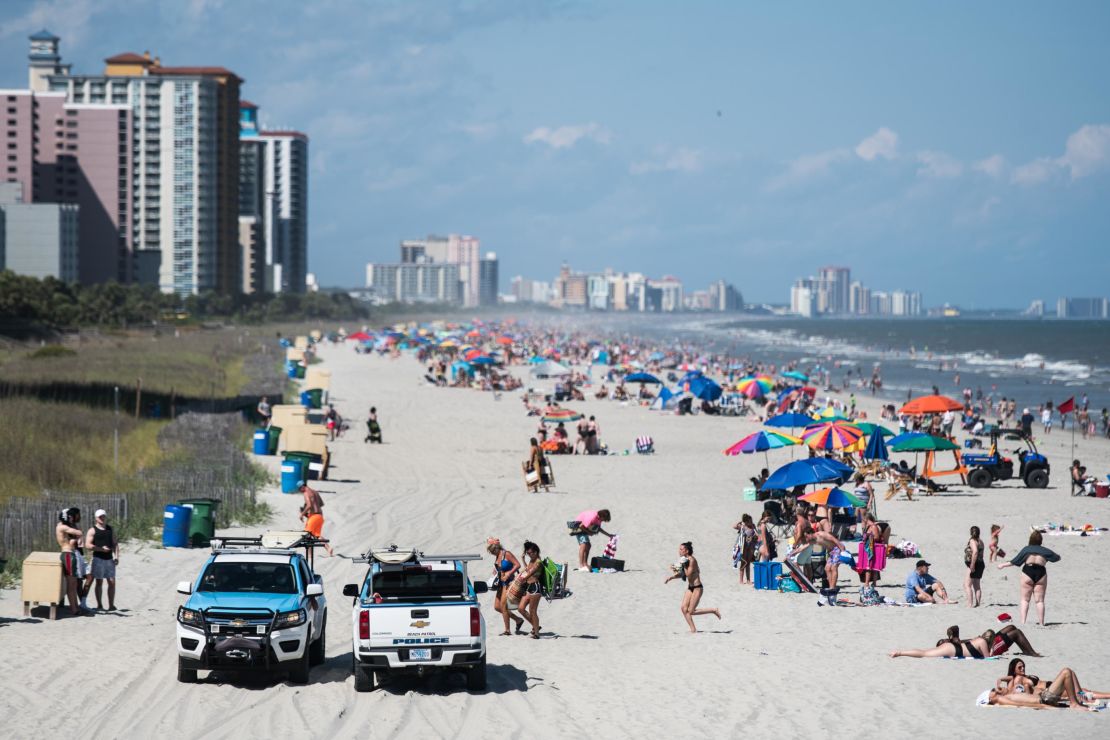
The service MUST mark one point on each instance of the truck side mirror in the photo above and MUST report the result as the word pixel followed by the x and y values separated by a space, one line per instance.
pixel 313 589
pixel 480 587
pixel 351 589
pixel 185 587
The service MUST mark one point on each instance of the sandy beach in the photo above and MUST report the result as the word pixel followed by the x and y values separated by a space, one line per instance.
pixel 616 660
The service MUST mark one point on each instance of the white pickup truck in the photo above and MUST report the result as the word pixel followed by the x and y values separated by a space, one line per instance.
pixel 417 613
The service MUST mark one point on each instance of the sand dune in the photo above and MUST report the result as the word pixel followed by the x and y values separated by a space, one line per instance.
pixel 616 660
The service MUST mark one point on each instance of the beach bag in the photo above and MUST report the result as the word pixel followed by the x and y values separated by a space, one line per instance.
pixel 789 585
pixel 549 576
pixel 531 477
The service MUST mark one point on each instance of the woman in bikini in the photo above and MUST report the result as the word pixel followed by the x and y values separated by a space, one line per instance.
pixel 1017 681
pixel 505 567
pixel 527 590
pixel 973 561
pixel 767 550
pixel 687 569
pixel 1034 576
pixel 1064 686
pixel 952 647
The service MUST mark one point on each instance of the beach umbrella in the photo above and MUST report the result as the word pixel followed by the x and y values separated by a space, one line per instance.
pixel 876 447
pixel 795 375
pixel 482 360
pixel 755 386
pixel 642 378
pixel 360 336
pixel 506 341
pixel 897 438
pixel 923 443
pixel 805 472
pixel 931 405
pixel 833 498
pixel 789 420
pixel 831 435
pixel 705 389
pixel 831 414
pixel 869 428
pixel 761 442
pixel 554 416
pixel 549 368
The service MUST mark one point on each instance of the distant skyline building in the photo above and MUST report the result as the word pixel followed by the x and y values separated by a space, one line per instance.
pixel 1083 308
pixel 833 293
pixel 455 249
pixel 488 280
pixel 419 282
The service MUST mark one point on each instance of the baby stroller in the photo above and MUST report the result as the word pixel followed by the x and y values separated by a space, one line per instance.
pixel 373 431
pixel 645 445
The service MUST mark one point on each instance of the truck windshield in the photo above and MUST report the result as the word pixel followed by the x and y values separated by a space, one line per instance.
pixel 266 578
pixel 418 583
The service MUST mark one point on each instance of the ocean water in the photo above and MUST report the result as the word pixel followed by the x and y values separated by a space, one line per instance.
pixel 1032 361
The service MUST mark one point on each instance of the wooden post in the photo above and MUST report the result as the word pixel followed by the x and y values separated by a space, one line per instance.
pixel 173 403
pixel 138 397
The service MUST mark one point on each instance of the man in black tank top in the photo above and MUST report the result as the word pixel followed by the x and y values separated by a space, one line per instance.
pixel 101 541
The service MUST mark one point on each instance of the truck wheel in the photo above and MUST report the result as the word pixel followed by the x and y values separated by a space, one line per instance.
pixel 1037 478
pixel 298 672
pixel 978 478
pixel 185 675
pixel 317 649
pixel 476 677
pixel 364 677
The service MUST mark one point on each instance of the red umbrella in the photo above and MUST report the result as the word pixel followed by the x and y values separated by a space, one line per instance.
pixel 360 336
pixel 931 405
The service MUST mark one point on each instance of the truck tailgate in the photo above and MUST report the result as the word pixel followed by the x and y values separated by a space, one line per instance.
pixel 420 624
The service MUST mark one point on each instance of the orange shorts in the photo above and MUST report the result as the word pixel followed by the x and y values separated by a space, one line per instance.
pixel 315 525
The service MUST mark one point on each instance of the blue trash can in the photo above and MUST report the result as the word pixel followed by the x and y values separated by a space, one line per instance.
pixel 291 369
pixel 306 399
pixel 175 526
pixel 292 473
pixel 262 442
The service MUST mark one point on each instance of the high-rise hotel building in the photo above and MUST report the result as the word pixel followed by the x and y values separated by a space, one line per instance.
pixel 184 157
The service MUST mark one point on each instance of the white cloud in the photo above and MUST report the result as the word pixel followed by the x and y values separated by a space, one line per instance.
pixel 1038 171
pixel 883 143
pixel 939 165
pixel 565 137
pixel 992 166
pixel 1087 151
pixel 679 160
pixel 67 19
pixel 807 167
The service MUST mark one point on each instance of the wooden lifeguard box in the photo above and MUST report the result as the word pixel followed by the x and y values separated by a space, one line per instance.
pixel 42 582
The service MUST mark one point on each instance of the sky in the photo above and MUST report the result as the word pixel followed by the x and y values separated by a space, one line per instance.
pixel 959 149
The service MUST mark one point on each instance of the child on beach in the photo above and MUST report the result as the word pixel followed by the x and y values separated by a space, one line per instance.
pixel 995 550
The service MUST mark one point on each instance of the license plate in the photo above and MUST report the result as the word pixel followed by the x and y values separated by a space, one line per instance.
pixel 420 654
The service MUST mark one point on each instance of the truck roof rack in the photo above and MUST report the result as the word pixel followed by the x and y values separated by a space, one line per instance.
pixel 277 543
pixel 394 555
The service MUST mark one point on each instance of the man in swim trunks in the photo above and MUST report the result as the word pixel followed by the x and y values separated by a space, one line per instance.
pixel 687 569
pixel 68 536
pixel 312 514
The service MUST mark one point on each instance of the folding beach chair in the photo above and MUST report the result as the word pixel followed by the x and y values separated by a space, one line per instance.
pixel 645 445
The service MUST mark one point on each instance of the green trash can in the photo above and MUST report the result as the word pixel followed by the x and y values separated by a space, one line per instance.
pixel 202 524
pixel 306 458
pixel 275 437
pixel 315 397
pixel 300 371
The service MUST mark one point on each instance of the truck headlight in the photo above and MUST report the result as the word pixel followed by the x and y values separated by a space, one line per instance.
pixel 190 617
pixel 290 619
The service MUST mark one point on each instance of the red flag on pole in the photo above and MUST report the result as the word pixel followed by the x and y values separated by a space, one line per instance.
pixel 1067 406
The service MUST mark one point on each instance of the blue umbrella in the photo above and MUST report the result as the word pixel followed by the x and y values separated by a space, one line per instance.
pixel 642 378
pixel 795 375
pixel 789 420
pixel 654 356
pixel 705 389
pixel 483 360
pixel 876 447
pixel 805 472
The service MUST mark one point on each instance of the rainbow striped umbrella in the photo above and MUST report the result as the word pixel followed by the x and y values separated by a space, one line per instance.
pixel 831 414
pixel 761 442
pixel 834 498
pixel 831 435
pixel 755 386
pixel 554 416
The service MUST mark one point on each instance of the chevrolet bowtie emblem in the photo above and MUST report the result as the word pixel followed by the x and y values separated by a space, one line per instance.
pixel 420 624
pixel 238 623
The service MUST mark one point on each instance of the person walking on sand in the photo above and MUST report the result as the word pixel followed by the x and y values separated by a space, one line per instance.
pixel 745 547
pixel 68 535
pixel 312 514
pixel 373 428
pixel 527 589
pixel 1034 576
pixel 584 525
pixel 505 568
pixel 688 570
pixel 973 560
pixel 101 541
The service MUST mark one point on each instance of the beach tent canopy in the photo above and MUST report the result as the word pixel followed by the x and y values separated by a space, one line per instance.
pixel 549 369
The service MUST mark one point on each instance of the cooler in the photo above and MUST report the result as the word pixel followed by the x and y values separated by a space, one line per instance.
pixel 767 575
pixel 1102 490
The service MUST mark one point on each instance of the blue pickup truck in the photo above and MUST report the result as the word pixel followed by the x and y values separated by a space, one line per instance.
pixel 257 605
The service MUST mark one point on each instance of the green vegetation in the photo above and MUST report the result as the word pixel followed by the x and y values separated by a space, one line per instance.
pixel 33 305
pixel 70 447
pixel 51 351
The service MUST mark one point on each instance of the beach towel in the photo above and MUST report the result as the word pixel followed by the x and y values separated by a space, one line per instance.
pixel 611 546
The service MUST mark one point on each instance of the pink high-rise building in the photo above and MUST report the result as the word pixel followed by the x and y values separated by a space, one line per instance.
pixel 60 152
